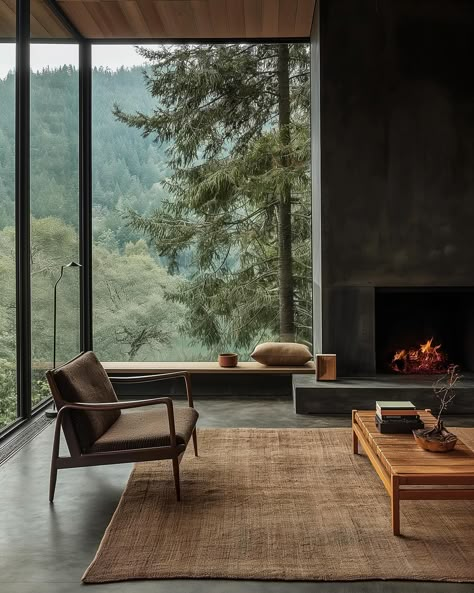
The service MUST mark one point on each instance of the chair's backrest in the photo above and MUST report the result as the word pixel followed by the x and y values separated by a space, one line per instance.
pixel 83 379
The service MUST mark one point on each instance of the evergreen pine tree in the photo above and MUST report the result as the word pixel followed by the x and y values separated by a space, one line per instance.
pixel 235 119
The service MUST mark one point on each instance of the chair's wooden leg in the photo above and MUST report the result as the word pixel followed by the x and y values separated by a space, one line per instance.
pixel 52 480
pixel 54 457
pixel 195 442
pixel 176 478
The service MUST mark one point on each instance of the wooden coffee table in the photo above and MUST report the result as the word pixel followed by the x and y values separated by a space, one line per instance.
pixel 407 471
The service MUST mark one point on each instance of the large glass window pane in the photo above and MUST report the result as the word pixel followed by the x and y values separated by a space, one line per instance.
pixel 201 204
pixel 8 392
pixel 54 207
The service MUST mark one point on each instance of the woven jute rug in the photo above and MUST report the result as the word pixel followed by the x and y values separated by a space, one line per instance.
pixel 291 504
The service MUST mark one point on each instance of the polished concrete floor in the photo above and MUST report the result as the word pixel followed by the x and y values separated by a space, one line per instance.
pixel 45 548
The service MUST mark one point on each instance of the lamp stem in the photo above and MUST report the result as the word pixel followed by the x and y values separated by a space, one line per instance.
pixel 53 412
pixel 54 315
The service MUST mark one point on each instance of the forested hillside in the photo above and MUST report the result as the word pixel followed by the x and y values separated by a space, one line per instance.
pixel 126 167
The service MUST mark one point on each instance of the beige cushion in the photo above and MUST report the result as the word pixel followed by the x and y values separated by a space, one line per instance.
pixel 281 354
pixel 84 380
pixel 146 427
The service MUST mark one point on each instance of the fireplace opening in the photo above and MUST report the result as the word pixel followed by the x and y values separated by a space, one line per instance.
pixel 424 330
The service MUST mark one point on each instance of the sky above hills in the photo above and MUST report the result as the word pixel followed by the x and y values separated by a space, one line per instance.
pixel 55 55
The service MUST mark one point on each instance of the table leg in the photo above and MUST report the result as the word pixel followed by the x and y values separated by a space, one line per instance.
pixel 395 505
pixel 355 440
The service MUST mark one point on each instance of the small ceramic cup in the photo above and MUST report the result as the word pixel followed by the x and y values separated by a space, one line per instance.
pixel 228 360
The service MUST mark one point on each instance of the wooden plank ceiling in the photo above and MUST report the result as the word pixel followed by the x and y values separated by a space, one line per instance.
pixel 44 23
pixel 194 19
pixel 167 19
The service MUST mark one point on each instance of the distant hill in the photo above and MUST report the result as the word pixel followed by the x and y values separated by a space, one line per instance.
pixel 127 169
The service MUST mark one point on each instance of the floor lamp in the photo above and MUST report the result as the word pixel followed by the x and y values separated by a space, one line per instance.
pixel 53 412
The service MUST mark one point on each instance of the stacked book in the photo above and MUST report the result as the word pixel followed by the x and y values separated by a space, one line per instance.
pixel 396 417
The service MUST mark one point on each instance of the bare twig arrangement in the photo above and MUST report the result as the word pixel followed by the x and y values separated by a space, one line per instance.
pixel 444 391
pixel 438 438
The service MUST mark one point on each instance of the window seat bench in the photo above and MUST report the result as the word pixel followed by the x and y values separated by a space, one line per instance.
pixel 248 379
pixel 207 368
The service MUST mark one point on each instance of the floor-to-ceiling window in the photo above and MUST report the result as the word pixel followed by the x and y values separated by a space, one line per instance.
pixel 54 164
pixel 8 390
pixel 46 162
pixel 201 199
pixel 201 206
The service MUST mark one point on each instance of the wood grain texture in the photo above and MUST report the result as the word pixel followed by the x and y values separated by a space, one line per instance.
pixel 287 17
pixel 44 23
pixel 270 18
pixel 202 18
pixel 218 17
pixel 203 368
pixel 410 473
pixel 400 454
pixel 7 18
pixel 304 15
pixel 326 367
pixel 168 19
pixel 236 18
pixel 78 12
pixel 134 15
pixel 253 17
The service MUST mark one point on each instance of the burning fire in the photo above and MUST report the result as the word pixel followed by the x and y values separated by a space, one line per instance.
pixel 426 359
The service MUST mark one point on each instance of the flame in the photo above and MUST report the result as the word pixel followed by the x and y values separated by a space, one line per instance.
pixel 427 359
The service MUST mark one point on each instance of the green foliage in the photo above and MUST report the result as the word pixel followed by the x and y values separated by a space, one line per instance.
pixel 239 205
pixel 8 392
pixel 132 315
pixel 215 98
pixel 126 169
pixel 126 174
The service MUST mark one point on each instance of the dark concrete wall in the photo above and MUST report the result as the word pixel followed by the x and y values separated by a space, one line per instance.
pixel 397 158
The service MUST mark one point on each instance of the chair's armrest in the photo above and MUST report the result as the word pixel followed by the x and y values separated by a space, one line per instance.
pixel 102 407
pixel 91 407
pixel 147 378
pixel 160 377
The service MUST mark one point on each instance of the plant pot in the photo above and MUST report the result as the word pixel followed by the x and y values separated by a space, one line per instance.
pixel 435 441
pixel 228 360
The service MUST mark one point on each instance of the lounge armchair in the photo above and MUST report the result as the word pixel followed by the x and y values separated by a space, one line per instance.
pixel 100 429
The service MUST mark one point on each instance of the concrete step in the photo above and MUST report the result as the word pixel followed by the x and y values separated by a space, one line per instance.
pixel 360 393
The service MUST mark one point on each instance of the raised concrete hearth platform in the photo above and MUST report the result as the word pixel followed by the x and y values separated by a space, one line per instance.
pixel 346 394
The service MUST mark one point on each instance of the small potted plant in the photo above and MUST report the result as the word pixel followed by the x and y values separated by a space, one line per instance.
pixel 438 439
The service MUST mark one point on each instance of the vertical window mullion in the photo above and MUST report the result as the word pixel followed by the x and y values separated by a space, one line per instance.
pixel 85 190
pixel 22 208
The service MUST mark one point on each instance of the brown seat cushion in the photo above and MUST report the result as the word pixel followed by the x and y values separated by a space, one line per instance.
pixel 281 354
pixel 84 380
pixel 146 427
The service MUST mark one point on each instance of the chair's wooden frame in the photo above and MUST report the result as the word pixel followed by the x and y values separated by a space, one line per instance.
pixel 78 458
